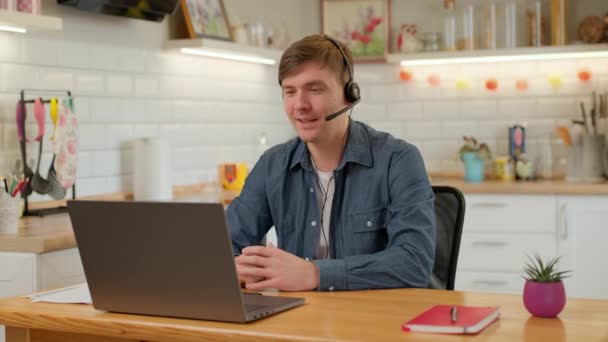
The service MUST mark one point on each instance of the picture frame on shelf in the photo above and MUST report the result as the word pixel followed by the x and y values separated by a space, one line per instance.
pixel 363 25
pixel 206 19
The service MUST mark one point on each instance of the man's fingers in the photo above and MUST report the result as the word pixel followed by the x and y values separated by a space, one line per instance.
pixel 257 250
pixel 253 260
pixel 253 272
pixel 264 284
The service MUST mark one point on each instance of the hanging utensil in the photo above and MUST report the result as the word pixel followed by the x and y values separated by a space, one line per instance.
pixel 604 106
pixel 584 117
pixel 54 112
pixel 27 171
pixel 39 184
pixel 593 113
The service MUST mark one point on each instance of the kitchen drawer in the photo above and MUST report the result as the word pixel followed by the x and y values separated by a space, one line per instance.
pixel 509 213
pixel 502 252
pixel 490 282
pixel 60 269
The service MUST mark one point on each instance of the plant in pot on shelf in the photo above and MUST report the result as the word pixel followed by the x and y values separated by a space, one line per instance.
pixel 474 155
pixel 544 293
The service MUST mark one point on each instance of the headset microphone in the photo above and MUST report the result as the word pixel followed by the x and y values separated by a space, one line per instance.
pixel 352 93
pixel 341 111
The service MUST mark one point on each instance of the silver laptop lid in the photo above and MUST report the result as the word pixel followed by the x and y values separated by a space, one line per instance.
pixel 158 258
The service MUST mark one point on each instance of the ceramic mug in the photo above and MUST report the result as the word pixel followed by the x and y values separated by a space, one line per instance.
pixel 473 167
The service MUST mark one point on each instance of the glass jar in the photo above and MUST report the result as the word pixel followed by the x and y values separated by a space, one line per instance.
pixel 431 41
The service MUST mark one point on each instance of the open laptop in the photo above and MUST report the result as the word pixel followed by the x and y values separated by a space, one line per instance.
pixel 166 259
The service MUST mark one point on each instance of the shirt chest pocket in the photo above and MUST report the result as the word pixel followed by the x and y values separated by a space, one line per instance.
pixel 369 231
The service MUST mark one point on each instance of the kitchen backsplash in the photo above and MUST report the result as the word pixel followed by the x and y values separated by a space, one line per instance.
pixel 214 111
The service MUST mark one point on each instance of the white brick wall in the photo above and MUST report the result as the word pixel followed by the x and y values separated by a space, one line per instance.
pixel 213 111
pixel 435 118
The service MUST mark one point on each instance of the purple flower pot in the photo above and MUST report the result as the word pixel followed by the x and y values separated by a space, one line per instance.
pixel 544 299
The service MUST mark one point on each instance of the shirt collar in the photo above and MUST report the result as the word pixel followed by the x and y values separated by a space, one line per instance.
pixel 357 150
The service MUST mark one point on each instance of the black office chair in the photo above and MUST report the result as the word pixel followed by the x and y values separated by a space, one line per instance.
pixel 449 216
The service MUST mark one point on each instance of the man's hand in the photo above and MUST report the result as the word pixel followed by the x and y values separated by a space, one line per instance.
pixel 269 267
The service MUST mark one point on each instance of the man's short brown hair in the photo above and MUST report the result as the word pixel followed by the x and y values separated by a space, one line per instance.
pixel 316 48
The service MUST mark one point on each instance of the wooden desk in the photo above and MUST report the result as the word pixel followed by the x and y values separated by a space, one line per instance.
pixel 363 315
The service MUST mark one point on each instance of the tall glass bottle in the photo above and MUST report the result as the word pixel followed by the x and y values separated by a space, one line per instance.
pixel 487 21
pixel 510 24
pixel 558 22
pixel 449 25
pixel 536 23
pixel 467 36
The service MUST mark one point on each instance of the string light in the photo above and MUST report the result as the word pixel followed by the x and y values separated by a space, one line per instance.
pixel 406 75
pixel 584 75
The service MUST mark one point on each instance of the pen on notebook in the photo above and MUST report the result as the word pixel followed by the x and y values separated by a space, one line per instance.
pixel 453 313
pixel 5 185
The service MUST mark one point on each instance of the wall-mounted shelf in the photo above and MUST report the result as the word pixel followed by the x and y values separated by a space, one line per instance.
pixel 29 22
pixel 501 55
pixel 225 49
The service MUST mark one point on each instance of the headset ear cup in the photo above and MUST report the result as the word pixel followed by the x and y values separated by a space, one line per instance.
pixel 352 92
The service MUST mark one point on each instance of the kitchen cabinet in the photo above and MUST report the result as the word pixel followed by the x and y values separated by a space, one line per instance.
pixel 25 273
pixel 498 232
pixel 582 237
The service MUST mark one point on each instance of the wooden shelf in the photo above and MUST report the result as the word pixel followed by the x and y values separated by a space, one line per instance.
pixel 224 47
pixel 30 22
pixel 498 55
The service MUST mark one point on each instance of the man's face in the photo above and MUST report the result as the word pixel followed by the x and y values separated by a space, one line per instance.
pixel 310 93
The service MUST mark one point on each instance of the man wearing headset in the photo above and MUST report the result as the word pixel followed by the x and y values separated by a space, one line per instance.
pixel 353 207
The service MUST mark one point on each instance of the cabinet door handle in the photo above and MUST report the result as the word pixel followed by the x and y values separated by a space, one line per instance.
pixel 490 282
pixel 563 221
pixel 489 205
pixel 489 243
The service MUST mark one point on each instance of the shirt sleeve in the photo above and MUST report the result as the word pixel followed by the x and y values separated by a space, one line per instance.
pixel 408 259
pixel 248 215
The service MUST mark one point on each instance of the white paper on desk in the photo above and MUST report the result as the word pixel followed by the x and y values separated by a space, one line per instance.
pixel 78 294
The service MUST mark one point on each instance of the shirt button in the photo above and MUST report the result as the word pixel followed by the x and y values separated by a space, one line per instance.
pixel 313 223
pixel 331 288
pixel 312 190
pixel 307 259
pixel 369 223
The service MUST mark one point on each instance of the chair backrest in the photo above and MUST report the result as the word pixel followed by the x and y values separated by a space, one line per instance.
pixel 449 216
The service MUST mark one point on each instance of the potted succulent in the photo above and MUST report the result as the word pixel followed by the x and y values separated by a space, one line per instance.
pixel 544 293
pixel 474 154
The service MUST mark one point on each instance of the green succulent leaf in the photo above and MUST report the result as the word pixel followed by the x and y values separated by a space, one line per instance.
pixel 542 271
pixel 471 144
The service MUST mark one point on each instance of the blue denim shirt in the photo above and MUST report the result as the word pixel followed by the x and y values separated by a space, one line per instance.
pixel 382 232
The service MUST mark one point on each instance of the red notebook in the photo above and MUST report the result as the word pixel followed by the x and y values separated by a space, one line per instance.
pixel 440 319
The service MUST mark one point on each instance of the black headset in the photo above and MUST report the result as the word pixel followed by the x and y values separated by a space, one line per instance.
pixel 352 93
